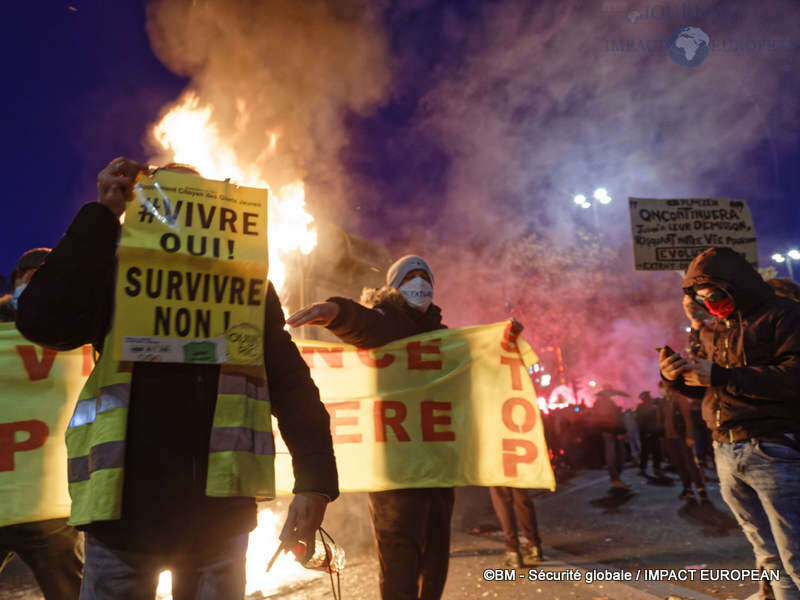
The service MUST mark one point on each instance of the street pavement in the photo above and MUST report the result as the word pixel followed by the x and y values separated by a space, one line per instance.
pixel 587 526
pixel 588 530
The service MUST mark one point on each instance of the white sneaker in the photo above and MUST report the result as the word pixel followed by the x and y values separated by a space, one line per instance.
pixel 511 560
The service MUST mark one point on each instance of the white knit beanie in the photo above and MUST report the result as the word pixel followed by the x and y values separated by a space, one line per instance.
pixel 403 266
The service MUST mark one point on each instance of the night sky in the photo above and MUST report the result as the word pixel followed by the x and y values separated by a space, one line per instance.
pixel 460 130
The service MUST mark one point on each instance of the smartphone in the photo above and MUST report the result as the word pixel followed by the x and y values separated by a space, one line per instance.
pixel 668 351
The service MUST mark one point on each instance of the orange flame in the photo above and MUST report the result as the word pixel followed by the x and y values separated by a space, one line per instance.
pixel 189 133
pixel 262 545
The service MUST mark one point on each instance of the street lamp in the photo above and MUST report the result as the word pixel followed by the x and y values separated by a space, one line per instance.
pixel 600 195
pixel 580 200
pixel 791 255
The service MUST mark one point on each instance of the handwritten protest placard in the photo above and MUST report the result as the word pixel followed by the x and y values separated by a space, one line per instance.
pixel 668 234
pixel 192 277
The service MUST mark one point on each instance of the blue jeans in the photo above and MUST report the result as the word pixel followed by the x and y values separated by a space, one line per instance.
pixel 197 574
pixel 760 482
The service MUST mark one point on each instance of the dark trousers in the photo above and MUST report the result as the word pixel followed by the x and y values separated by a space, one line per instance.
pixel 651 447
pixel 682 457
pixel 509 503
pixel 412 536
pixel 614 454
pixel 209 572
pixel 53 551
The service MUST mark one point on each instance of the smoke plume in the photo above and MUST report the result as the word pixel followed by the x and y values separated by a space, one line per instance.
pixel 280 71
pixel 533 106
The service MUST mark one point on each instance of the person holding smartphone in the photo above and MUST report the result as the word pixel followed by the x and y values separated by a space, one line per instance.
pixel 747 373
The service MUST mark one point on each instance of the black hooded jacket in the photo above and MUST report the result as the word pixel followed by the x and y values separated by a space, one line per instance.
pixel 755 377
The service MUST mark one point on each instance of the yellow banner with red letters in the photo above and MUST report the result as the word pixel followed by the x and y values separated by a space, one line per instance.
pixel 38 391
pixel 448 408
pixel 451 407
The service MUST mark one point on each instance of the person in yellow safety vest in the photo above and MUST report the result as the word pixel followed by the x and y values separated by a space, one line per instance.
pixel 166 460
pixel 52 549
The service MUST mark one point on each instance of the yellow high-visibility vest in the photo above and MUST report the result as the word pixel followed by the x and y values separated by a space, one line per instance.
pixel 241 449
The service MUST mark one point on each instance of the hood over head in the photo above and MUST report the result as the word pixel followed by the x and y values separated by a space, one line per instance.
pixel 729 270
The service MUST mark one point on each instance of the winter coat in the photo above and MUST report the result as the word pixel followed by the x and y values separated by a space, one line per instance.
pixel 391 318
pixel 755 377
pixel 69 302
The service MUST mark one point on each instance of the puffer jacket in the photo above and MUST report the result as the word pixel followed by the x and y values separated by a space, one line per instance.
pixel 390 318
pixel 755 377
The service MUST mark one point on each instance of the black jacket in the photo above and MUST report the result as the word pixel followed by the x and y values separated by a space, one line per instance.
pixel 755 378
pixel 388 321
pixel 69 302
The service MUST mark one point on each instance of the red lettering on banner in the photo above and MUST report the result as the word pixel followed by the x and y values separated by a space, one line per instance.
pixel 35 368
pixel 511 458
pixel 515 364
pixel 429 422
pixel 381 419
pixel 377 363
pixel 37 435
pixel 88 360
pixel 331 356
pixel 509 341
pixel 508 415
pixel 416 350
pixel 337 421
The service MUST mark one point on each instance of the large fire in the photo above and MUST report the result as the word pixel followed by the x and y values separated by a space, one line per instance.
pixel 263 543
pixel 193 138
pixel 190 134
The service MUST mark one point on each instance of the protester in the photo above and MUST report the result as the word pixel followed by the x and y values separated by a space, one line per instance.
pixel 679 438
pixel 607 417
pixel 514 508
pixel 52 549
pixel 648 417
pixel 142 497
pixel 632 435
pixel 412 526
pixel 748 375
pixel 509 502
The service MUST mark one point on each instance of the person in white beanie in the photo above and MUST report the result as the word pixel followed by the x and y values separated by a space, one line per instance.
pixel 412 526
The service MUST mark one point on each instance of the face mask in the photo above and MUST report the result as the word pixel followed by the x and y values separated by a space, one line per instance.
pixel 720 308
pixel 17 293
pixel 418 293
